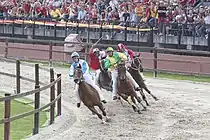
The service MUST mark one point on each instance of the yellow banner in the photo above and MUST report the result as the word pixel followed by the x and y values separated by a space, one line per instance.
pixel 71 24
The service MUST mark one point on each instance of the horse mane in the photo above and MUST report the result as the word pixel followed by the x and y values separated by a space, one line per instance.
pixel 137 55
pixel 79 66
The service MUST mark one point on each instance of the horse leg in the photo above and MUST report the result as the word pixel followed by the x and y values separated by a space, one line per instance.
pixel 134 101
pixel 96 112
pixel 134 106
pixel 120 100
pixel 104 112
pixel 128 99
pixel 153 96
pixel 139 100
pixel 144 97
pixel 123 96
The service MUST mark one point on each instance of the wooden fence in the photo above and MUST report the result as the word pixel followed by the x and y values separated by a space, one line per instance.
pixel 156 61
pixel 8 97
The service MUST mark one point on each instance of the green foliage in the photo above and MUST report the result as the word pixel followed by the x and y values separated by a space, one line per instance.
pixel 22 127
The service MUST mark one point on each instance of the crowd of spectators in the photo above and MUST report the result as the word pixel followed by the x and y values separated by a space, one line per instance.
pixel 123 12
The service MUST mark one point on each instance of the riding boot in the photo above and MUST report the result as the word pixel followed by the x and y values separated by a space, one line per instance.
pixel 78 105
pixel 114 97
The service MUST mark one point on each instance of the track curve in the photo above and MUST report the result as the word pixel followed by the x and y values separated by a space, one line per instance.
pixel 183 112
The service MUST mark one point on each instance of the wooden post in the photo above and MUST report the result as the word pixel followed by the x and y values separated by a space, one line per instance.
pixel 155 61
pixel 52 96
pixel 18 76
pixel 58 93
pixel 6 49
pixel 86 53
pixel 7 107
pixel 125 34
pixel 50 54
pixel 37 101
pixel 101 32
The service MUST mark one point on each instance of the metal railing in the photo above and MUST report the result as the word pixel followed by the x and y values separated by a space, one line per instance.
pixel 141 32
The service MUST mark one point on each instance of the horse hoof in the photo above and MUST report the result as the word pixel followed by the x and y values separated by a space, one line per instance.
pixel 156 99
pixel 145 109
pixel 139 112
pixel 134 108
pixel 108 119
pixel 148 104
pixel 103 122
pixel 93 113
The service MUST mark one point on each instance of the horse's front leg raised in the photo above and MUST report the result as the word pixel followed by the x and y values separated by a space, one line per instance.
pixel 129 100
pixel 119 98
pixel 123 96
pixel 96 112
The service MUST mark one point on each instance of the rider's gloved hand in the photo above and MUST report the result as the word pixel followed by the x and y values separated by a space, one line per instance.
pixel 127 65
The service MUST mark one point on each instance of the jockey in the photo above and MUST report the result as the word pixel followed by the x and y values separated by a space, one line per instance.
pixel 123 49
pixel 129 53
pixel 95 57
pixel 85 70
pixel 111 63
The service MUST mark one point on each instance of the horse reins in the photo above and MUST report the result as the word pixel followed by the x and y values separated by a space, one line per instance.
pixel 138 67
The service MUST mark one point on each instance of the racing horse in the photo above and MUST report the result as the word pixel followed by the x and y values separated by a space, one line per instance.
pixel 126 89
pixel 89 95
pixel 105 79
pixel 135 69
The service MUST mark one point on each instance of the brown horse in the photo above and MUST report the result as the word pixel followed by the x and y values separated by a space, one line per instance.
pixel 135 69
pixel 105 79
pixel 89 95
pixel 126 89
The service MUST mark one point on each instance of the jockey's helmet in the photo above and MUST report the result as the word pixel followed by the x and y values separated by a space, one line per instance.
pixel 109 49
pixel 96 50
pixel 74 54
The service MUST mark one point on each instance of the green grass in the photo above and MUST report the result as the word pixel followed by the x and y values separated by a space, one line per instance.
pixel 179 77
pixel 22 127
pixel 146 73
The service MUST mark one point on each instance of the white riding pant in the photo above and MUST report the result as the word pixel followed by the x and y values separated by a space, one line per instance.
pixel 114 80
pixel 97 76
pixel 88 79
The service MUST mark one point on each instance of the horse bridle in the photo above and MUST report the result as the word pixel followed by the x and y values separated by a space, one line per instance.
pixel 133 61
pixel 122 65
pixel 79 78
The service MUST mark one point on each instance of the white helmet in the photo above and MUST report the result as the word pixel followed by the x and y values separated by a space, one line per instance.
pixel 74 54
pixel 96 50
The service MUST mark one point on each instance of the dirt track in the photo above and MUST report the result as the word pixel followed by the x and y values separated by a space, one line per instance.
pixel 182 113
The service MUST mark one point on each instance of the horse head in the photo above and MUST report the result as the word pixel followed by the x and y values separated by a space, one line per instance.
pixel 136 55
pixel 121 70
pixel 78 75
pixel 136 63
